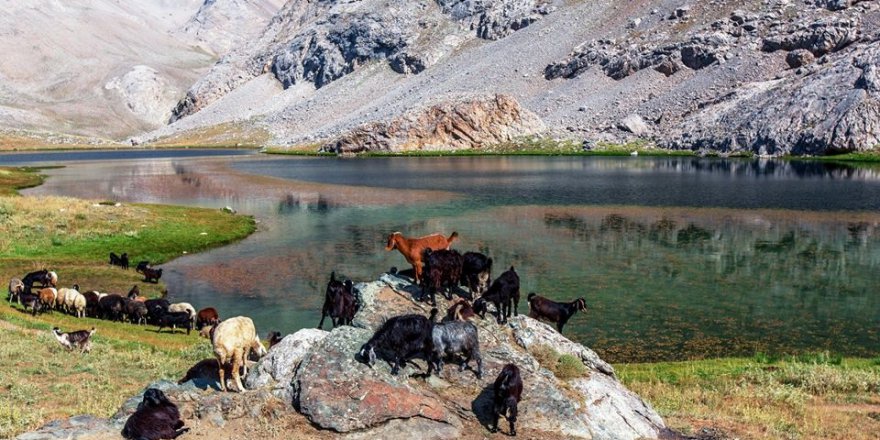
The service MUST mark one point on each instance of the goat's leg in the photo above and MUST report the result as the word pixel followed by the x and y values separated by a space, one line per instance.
pixel 221 360
pixel 512 420
pixel 236 364
pixel 179 432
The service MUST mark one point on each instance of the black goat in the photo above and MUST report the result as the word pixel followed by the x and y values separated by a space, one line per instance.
pixel 119 260
pixel 93 306
pixel 274 338
pixel 442 271
pixel 456 338
pixel 507 392
pixel 340 303
pixel 403 337
pixel 30 301
pixel 156 308
pixel 559 313
pixel 503 293
pixel 156 418
pixel 174 320
pixel 152 275
pixel 40 276
pixel 141 266
pixel 112 307
pixel 476 272
pixel 136 311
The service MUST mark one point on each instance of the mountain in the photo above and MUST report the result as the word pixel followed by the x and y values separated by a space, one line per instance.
pixel 770 77
pixel 101 70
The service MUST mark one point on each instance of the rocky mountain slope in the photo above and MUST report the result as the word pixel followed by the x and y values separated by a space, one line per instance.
pixel 103 70
pixel 315 374
pixel 770 77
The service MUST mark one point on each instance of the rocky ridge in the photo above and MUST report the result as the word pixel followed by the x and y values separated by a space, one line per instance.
pixel 315 373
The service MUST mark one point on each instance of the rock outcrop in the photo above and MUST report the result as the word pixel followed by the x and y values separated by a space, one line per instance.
pixel 320 42
pixel 220 25
pixel 317 374
pixel 455 125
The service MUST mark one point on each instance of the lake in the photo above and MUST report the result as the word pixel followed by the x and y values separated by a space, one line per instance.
pixel 677 258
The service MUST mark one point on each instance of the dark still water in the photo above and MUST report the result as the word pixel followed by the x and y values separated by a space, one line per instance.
pixel 676 258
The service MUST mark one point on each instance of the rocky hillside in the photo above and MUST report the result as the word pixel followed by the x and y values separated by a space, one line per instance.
pixel 314 374
pixel 101 70
pixel 769 77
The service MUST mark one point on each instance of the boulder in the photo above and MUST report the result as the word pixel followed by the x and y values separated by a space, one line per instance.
pixel 634 124
pixel 799 58
pixel 275 371
pixel 458 124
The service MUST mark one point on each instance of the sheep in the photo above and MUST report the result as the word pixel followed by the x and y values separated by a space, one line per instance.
pixel 66 298
pixel 79 339
pixel 175 319
pixel 233 341
pixel 112 307
pixel 503 293
pixel 48 297
pixel 152 275
pixel 404 337
pixel 412 249
pixel 558 313
pixel 454 338
pixel 207 316
pixel 16 287
pixel 459 311
pixel 156 418
pixel 340 303
pixel 184 307
pixel 442 270
pixel 506 394
pixel 476 272
pixel 136 311
pixel 207 332
pixel 274 337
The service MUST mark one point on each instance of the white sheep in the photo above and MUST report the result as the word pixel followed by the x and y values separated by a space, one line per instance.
pixel 184 307
pixel 233 341
pixel 67 297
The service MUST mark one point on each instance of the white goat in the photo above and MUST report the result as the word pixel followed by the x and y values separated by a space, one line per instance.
pixel 233 341
pixel 184 307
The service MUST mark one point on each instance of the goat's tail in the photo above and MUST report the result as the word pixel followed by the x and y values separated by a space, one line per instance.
pixel 452 237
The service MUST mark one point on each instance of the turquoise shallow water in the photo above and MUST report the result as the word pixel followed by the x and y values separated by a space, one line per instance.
pixel 677 258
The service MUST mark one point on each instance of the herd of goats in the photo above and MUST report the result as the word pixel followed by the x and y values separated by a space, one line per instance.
pixel 436 269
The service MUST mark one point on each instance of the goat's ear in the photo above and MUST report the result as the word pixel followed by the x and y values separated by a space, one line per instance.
pixel 333 276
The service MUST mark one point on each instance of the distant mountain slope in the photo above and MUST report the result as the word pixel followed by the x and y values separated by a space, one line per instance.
pixel 105 69
pixel 666 70
pixel 220 25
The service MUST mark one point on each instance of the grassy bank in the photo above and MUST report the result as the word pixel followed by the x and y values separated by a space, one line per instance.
pixel 807 397
pixel 39 380
pixel 521 147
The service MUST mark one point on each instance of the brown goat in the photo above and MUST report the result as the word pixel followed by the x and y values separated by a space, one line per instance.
pixel 207 316
pixel 460 311
pixel 413 248
pixel 48 297
pixel 558 313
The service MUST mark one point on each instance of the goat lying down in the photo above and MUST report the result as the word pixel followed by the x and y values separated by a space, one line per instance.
pixel 156 418
pixel 79 339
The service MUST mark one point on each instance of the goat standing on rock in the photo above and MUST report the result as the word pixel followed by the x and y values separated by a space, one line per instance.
pixel 503 293
pixel 404 337
pixel 340 302
pixel 559 313
pixel 456 338
pixel 507 392
pixel 233 340
pixel 414 248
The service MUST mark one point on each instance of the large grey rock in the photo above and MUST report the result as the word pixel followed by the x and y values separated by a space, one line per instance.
pixel 275 370
pixel 634 124
pixel 493 20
